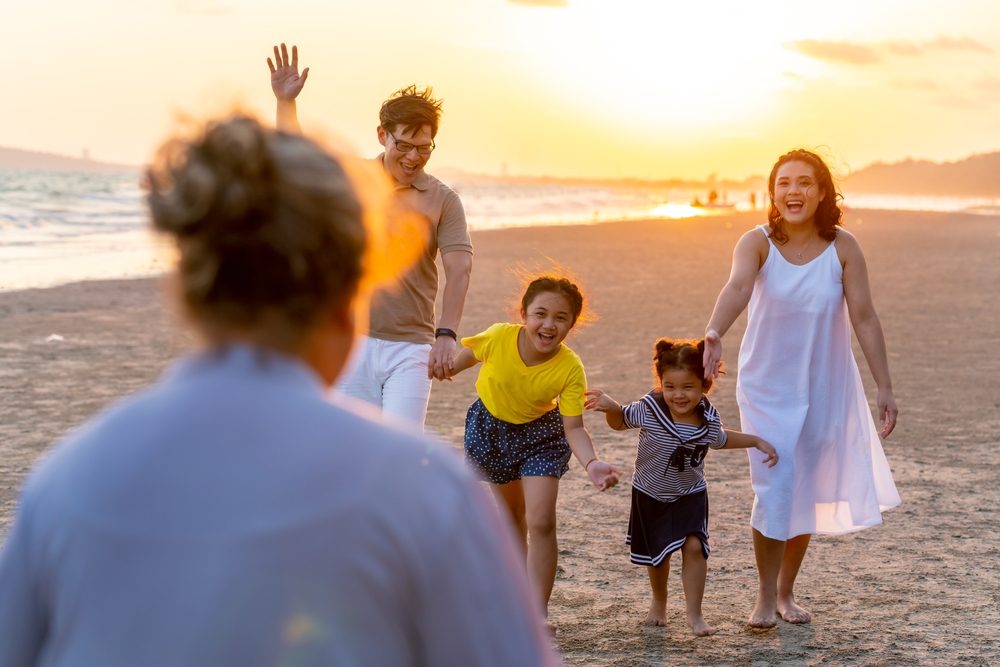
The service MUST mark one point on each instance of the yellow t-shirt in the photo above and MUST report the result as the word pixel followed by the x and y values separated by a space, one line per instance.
pixel 517 393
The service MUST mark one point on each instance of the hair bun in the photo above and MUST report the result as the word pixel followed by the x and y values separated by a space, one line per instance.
pixel 269 226
pixel 663 345
pixel 213 187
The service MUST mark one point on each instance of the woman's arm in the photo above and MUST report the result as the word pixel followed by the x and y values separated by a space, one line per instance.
pixel 737 440
pixel 867 325
pixel 602 475
pixel 598 401
pixel 748 257
pixel 286 85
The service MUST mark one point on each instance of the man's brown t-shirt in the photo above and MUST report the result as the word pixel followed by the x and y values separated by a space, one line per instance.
pixel 404 312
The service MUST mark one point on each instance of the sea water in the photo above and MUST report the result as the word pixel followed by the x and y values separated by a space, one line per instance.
pixel 63 226
pixel 58 227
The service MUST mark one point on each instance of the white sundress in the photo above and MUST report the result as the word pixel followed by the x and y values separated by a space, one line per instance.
pixel 799 388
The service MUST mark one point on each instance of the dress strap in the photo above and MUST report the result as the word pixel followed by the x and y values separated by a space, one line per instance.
pixel 767 233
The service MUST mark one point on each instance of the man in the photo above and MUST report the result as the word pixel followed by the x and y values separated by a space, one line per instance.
pixel 404 350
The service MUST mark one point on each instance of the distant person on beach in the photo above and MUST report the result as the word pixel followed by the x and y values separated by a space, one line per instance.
pixel 528 420
pixel 230 515
pixel 404 348
pixel 677 426
pixel 805 281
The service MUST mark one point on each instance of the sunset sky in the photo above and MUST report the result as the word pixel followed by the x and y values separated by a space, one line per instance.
pixel 596 88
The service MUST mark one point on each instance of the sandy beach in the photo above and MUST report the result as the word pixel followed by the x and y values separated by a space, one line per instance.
pixel 921 589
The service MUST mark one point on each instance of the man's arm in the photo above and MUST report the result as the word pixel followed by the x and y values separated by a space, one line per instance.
pixel 457 274
pixel 286 83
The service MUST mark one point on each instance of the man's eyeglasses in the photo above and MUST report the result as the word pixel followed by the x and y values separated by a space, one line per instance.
pixel 406 147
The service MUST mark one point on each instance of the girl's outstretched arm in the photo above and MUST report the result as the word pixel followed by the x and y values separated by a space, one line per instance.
pixel 463 360
pixel 602 475
pixel 749 256
pixel 737 440
pixel 598 401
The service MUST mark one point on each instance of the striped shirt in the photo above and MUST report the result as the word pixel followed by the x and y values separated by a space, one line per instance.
pixel 670 459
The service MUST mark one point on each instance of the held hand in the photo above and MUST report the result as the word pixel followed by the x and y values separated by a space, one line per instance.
pixel 603 475
pixel 441 361
pixel 713 353
pixel 285 80
pixel 887 411
pixel 767 448
pixel 598 401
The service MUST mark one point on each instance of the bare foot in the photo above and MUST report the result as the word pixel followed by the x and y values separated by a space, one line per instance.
pixel 551 628
pixel 791 612
pixel 763 615
pixel 700 627
pixel 657 612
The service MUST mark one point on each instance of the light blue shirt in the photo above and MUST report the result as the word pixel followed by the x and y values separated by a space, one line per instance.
pixel 230 516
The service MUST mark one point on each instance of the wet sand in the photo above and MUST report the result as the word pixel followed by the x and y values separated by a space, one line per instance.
pixel 923 588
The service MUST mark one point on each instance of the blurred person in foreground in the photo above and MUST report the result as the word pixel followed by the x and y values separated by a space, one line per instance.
pixel 229 515
pixel 404 348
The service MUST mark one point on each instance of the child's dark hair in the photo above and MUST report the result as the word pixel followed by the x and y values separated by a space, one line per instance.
pixel 685 355
pixel 561 286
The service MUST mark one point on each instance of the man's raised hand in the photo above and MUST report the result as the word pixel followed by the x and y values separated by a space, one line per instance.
pixel 285 79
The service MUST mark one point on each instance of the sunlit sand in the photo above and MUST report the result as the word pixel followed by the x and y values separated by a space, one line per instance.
pixel 887 595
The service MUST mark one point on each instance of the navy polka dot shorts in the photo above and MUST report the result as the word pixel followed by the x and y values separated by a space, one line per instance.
pixel 503 452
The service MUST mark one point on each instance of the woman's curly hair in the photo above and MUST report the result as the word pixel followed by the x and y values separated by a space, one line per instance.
pixel 269 228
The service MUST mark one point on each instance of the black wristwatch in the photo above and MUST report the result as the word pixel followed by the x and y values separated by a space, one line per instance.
pixel 445 332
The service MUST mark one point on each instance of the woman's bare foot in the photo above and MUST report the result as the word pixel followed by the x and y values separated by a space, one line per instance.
pixel 699 627
pixel 657 612
pixel 763 615
pixel 791 612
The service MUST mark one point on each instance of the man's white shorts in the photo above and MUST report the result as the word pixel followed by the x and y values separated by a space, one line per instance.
pixel 390 375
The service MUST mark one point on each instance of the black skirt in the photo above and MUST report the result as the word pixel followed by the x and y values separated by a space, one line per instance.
pixel 657 529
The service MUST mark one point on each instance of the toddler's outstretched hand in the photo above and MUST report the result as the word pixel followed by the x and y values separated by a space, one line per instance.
pixel 598 401
pixel 767 448
pixel 603 475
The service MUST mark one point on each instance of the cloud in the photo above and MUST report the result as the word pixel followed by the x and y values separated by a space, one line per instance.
pixel 203 8
pixel 957 44
pixel 847 52
pixel 914 84
pixel 860 53
pixel 903 48
pixel 957 102
pixel 988 84
pixel 540 3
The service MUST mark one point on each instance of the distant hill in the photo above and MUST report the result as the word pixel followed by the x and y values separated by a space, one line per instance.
pixel 15 158
pixel 454 176
pixel 975 176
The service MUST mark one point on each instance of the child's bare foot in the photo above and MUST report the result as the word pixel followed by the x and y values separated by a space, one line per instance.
pixel 763 615
pixel 657 612
pixel 791 612
pixel 700 627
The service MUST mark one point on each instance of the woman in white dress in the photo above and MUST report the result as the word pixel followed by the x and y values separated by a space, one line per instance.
pixel 805 281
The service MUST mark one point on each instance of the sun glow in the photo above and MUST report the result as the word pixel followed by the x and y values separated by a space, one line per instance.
pixel 662 63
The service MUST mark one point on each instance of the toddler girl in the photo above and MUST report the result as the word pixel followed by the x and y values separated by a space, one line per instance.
pixel 677 425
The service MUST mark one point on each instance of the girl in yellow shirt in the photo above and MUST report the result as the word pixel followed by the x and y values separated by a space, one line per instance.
pixel 518 435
